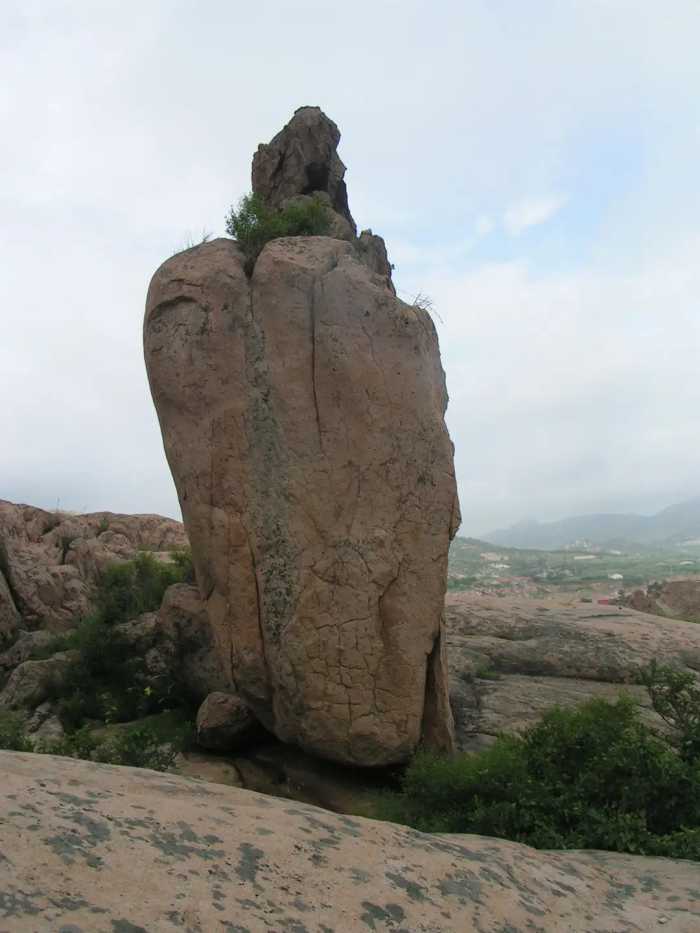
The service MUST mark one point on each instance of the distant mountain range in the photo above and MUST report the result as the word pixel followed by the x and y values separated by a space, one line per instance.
pixel 672 527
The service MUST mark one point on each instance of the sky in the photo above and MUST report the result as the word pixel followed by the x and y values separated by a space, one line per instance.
pixel 533 168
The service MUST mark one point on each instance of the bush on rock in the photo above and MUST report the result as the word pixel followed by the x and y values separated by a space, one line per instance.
pixel 595 777
pixel 253 223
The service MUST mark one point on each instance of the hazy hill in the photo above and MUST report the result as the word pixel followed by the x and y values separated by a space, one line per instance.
pixel 671 527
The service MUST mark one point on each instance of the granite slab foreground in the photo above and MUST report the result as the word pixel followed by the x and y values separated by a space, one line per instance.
pixel 87 847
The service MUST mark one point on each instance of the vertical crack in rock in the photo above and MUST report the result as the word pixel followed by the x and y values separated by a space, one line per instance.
pixel 6 573
pixel 314 283
pixel 383 621
pixel 269 487
pixel 257 602
pixel 437 728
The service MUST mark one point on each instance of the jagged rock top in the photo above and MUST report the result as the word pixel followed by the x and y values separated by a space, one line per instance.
pixel 302 159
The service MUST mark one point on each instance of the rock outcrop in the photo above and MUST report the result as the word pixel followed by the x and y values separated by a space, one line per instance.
pixel 302 413
pixel 302 159
pixel 512 659
pixel 94 847
pixel 673 599
pixel 49 561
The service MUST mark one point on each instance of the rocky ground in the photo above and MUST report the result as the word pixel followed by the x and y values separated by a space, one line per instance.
pixel 96 848
pixel 86 847
pixel 49 561
pixel 511 658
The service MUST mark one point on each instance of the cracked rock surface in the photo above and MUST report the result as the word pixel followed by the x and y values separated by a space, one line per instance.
pixel 91 847
pixel 302 413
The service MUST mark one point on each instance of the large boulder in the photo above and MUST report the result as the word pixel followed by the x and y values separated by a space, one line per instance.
pixel 50 561
pixel 512 658
pixel 302 412
pixel 85 846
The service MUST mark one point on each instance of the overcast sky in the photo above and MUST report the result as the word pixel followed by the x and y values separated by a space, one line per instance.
pixel 532 166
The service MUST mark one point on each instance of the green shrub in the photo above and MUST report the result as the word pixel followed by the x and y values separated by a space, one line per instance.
pixel 108 681
pixel 675 696
pixel 79 744
pixel 185 568
pixel 126 590
pixel 253 223
pixel 12 735
pixel 154 745
pixel 592 777
pixel 140 747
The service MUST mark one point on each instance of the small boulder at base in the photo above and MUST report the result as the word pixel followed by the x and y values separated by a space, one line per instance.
pixel 224 723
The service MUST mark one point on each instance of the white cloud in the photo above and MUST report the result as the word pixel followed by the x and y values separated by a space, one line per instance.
pixel 563 386
pixel 531 212
pixel 575 391
pixel 484 225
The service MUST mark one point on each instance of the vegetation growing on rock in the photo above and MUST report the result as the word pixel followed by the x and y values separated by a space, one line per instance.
pixel 106 679
pixel 138 747
pixel 253 223
pixel 593 777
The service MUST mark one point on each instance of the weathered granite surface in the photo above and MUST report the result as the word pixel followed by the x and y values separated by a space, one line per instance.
pixel 302 412
pixel 96 848
pixel 512 658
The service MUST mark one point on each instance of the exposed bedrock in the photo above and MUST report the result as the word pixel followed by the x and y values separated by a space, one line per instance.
pixel 302 413
pixel 87 846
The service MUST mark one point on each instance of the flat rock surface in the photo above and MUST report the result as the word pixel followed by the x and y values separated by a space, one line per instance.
pixel 512 658
pixel 87 847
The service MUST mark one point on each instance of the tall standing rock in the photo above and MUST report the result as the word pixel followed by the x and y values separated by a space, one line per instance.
pixel 302 413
